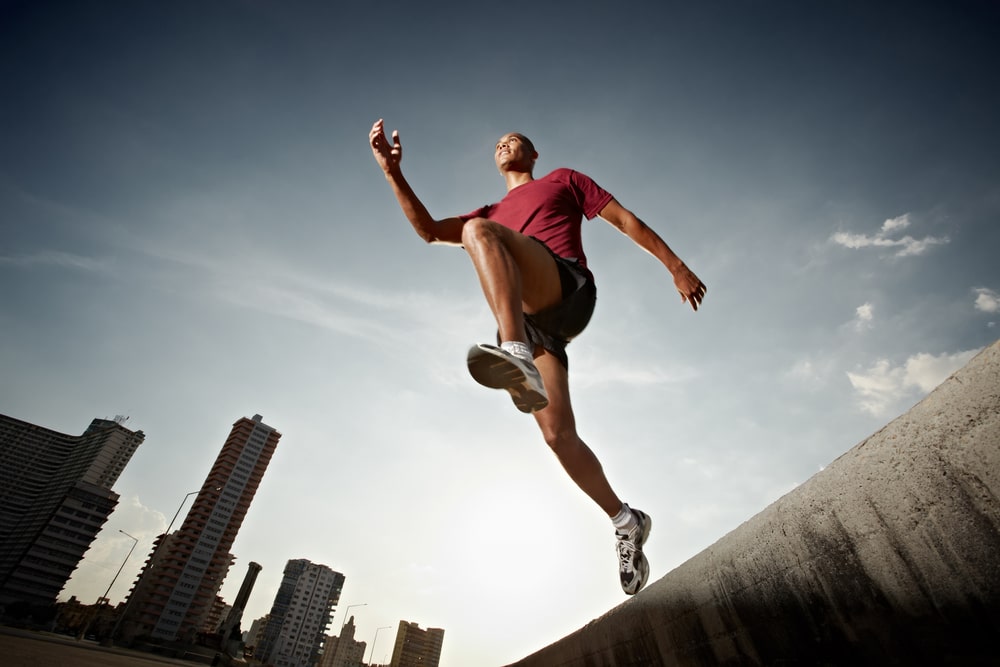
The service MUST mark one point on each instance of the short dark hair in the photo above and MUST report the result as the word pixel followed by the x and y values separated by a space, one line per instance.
pixel 525 140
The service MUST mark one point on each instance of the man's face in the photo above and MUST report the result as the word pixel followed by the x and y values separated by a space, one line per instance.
pixel 514 153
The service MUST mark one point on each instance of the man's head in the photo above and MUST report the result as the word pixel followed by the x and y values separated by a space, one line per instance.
pixel 515 152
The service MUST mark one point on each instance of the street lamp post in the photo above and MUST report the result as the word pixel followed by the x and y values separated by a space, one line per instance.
pixel 347 609
pixel 86 627
pixel 372 654
pixel 167 532
pixel 135 541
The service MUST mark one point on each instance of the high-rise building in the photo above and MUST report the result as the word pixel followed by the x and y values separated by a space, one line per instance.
pixel 303 606
pixel 174 594
pixel 344 650
pixel 55 494
pixel 415 647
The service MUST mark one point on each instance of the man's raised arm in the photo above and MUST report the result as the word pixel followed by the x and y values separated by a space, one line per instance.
pixel 691 289
pixel 388 156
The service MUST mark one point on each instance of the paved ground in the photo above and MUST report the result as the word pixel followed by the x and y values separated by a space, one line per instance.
pixel 26 649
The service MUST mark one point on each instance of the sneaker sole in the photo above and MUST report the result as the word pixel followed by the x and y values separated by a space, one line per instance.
pixel 494 371
pixel 641 575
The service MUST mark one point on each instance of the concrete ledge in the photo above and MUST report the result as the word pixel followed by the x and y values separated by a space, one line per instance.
pixel 889 556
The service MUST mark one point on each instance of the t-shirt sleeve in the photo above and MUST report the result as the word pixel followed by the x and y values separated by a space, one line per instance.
pixel 481 212
pixel 593 198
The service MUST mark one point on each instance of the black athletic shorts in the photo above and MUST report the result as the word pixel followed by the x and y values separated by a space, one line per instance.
pixel 553 328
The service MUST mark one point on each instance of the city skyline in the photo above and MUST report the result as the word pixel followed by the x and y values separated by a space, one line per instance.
pixel 112 462
pixel 194 229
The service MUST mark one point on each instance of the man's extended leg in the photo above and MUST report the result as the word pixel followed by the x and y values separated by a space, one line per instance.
pixel 558 425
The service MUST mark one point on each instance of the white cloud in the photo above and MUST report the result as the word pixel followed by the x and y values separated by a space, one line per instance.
pixel 908 246
pixel 882 386
pixel 892 224
pixel 865 314
pixel 987 300
pixel 112 551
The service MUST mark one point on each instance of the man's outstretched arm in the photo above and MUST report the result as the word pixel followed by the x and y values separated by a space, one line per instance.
pixel 388 156
pixel 691 289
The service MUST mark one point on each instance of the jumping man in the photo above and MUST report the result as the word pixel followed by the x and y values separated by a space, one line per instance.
pixel 528 254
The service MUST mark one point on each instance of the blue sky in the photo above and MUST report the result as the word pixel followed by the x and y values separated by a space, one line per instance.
pixel 194 231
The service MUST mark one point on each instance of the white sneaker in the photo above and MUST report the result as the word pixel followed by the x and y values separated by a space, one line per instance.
pixel 498 369
pixel 633 568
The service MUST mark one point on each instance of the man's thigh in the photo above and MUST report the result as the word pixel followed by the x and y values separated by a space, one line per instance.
pixel 541 287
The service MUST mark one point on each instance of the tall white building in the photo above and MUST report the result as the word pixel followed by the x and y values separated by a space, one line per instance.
pixel 300 615
pixel 175 594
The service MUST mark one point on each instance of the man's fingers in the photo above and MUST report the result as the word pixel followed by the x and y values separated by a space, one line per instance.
pixel 691 299
pixel 693 296
pixel 397 148
pixel 377 136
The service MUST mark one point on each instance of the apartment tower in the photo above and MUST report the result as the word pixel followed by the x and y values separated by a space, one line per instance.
pixel 415 647
pixel 303 606
pixel 55 494
pixel 173 597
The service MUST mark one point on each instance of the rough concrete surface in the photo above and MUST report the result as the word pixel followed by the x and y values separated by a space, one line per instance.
pixel 889 556
pixel 22 648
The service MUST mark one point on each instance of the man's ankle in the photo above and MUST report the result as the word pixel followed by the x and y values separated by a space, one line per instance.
pixel 625 521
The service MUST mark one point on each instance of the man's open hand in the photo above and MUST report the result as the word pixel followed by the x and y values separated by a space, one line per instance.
pixel 691 289
pixel 388 156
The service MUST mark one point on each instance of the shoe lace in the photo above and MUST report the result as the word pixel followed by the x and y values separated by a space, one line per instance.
pixel 626 551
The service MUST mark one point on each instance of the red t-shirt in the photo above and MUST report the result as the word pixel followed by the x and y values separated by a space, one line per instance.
pixel 551 209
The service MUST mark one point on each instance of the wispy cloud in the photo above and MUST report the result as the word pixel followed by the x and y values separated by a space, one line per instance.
pixel 310 308
pixel 57 259
pixel 882 386
pixel 907 245
pixel 590 370
pixel 392 320
pixel 277 289
pixel 809 374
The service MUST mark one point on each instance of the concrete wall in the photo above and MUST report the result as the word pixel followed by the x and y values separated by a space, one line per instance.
pixel 890 556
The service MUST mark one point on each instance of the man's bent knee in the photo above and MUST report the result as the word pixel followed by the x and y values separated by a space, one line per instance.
pixel 478 230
